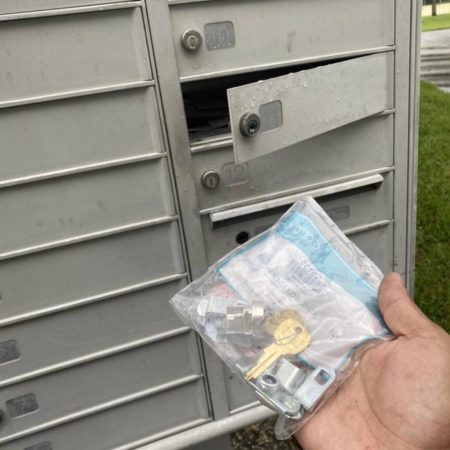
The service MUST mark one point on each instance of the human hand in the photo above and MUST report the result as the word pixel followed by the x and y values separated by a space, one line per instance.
pixel 398 397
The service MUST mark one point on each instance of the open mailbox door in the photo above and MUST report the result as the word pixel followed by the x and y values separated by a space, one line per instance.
pixel 276 113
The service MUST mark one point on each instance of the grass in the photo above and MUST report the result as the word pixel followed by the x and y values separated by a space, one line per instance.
pixel 432 291
pixel 436 22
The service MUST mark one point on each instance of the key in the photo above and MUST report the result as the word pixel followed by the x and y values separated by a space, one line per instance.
pixel 290 338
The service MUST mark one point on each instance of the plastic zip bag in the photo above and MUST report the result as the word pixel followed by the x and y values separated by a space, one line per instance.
pixel 289 312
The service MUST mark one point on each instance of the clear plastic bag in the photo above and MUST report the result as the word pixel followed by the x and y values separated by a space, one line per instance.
pixel 289 312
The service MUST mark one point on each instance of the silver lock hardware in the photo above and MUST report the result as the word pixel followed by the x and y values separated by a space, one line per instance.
pixel 281 401
pixel 210 179
pixel 244 319
pixel 315 386
pixel 276 386
pixel 291 392
pixel 212 308
pixel 268 382
pixel 241 323
pixel 271 393
pixel 249 124
pixel 191 40
pixel 289 375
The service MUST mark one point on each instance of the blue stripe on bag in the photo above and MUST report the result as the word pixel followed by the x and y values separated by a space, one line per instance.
pixel 299 230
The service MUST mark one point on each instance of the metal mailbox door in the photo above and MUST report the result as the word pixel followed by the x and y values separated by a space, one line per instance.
pixel 276 113
pixel 222 37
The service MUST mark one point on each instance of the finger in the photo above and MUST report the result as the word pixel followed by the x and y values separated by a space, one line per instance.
pixel 400 313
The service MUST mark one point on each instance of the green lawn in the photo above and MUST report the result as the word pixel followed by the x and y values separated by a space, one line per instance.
pixel 436 22
pixel 433 208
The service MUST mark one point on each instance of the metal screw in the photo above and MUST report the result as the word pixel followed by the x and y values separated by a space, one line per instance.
pixel 249 124
pixel 210 179
pixel 191 40
pixel 268 382
pixel 269 379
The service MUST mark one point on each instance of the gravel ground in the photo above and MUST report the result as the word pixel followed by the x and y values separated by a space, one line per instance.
pixel 260 437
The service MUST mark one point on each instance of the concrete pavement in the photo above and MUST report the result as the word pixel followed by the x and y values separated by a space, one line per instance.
pixel 435 58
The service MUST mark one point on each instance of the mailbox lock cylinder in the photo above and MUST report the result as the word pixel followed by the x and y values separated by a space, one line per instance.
pixel 249 124
pixel 210 179
pixel 191 40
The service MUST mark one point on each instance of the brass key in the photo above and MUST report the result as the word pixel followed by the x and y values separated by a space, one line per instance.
pixel 291 338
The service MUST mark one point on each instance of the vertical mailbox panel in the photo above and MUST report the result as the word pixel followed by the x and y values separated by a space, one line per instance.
pixel 338 118
pixel 90 242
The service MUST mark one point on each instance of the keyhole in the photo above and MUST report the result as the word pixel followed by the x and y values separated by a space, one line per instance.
pixel 242 237
pixel 252 127
pixel 249 124
pixel 192 42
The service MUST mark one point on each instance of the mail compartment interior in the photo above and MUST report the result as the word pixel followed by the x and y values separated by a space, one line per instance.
pixel 206 105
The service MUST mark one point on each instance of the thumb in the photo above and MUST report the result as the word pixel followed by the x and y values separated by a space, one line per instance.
pixel 400 313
